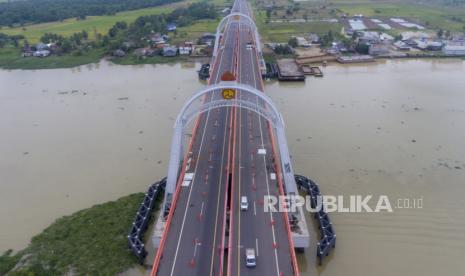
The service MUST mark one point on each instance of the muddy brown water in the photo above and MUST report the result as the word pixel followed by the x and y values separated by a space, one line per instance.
pixel 71 138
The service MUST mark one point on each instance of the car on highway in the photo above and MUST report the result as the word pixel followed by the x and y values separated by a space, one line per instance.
pixel 244 203
pixel 249 46
pixel 250 260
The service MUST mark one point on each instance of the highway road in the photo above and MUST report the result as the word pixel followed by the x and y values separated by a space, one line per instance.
pixel 265 232
pixel 196 239
pixel 223 151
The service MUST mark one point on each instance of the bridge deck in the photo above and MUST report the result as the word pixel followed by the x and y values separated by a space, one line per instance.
pixel 194 244
pixel 265 232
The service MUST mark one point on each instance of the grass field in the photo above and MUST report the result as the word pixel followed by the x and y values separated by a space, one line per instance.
pixel 89 242
pixel 99 24
pixel 282 32
pixel 195 30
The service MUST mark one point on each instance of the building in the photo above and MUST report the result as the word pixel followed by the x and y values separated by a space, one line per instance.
pixel 386 38
pixel 454 50
pixel 207 39
pixel 337 48
pixel 185 48
pixel 170 51
pixel 434 46
pixel 302 42
pixel 314 38
pixel 41 53
pixel 368 37
pixel 378 49
pixel 41 46
pixel 157 38
pixel 119 53
pixel 171 27
pixel 401 46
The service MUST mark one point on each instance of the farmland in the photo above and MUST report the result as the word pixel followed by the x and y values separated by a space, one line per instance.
pixel 92 24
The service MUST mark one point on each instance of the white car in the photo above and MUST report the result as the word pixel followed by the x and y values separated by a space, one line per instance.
pixel 250 260
pixel 244 203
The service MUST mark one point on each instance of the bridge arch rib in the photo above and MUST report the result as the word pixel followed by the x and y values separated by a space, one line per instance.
pixel 224 22
pixel 189 111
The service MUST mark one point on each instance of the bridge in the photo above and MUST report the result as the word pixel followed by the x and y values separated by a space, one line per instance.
pixel 237 148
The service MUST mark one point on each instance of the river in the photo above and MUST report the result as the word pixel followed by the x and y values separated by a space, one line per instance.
pixel 71 138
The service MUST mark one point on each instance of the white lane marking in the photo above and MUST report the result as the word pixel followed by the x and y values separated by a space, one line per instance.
pixel 201 209
pixel 254 208
pixel 256 245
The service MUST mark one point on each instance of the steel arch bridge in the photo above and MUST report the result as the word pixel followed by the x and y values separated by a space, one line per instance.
pixel 264 107
pixel 235 15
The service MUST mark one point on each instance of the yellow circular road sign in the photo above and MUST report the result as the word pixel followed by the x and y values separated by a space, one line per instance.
pixel 228 93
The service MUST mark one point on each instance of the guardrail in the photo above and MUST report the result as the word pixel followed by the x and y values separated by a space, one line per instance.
pixel 328 236
pixel 142 219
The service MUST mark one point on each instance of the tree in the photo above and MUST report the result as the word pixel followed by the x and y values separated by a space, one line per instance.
pixel 362 48
pixel 293 42
pixel 447 34
pixel 440 33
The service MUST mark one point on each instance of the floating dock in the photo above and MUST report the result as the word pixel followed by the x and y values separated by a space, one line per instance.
pixel 355 59
pixel 315 59
pixel 316 71
pixel 312 70
pixel 288 70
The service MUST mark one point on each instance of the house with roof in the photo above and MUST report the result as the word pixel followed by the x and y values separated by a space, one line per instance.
pixel 401 46
pixel 171 27
pixel 41 53
pixel 185 48
pixel 378 49
pixel 368 37
pixel 169 51
pixel 207 39
pixel 41 46
pixel 454 50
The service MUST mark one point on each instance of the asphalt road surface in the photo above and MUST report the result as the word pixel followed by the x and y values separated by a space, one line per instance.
pixel 225 145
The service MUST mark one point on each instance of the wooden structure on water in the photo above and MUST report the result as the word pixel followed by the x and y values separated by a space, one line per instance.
pixel 288 70
pixel 312 70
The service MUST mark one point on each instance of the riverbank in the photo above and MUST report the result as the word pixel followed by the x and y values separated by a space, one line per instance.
pixel 10 58
pixel 89 242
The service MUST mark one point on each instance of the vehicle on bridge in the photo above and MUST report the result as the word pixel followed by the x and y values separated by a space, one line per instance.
pixel 250 260
pixel 244 204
